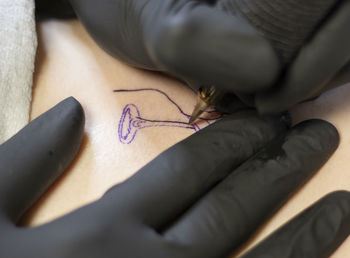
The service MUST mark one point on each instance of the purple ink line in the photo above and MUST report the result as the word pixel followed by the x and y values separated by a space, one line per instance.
pixel 124 137
pixel 133 122
pixel 172 101
pixel 159 91
pixel 163 121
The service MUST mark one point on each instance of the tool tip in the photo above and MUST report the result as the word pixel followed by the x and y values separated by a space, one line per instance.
pixel 192 119
pixel 195 115
pixel 199 108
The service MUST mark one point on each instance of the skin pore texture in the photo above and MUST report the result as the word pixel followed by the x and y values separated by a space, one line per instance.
pixel 69 63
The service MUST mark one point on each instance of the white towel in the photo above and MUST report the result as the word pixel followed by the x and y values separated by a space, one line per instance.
pixel 18 44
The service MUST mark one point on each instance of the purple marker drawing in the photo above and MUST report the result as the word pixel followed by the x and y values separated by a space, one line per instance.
pixel 131 120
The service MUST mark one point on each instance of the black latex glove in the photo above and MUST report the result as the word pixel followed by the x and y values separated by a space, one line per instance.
pixel 201 198
pixel 321 64
pixel 271 53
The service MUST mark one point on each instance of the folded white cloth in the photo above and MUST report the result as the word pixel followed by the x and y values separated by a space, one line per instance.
pixel 18 44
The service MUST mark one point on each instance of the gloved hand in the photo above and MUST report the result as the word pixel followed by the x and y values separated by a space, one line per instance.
pixel 271 53
pixel 201 198
pixel 323 61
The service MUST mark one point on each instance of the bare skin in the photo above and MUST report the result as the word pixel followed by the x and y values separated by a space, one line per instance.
pixel 70 64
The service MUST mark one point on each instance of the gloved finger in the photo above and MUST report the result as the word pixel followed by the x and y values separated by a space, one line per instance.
pixel 204 46
pixel 287 24
pixel 226 216
pixel 32 159
pixel 316 232
pixel 317 63
pixel 190 40
pixel 174 180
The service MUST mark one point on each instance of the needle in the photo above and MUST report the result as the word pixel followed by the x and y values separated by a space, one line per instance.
pixel 199 108
pixel 206 97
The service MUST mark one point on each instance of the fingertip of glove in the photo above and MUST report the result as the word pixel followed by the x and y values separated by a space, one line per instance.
pixel 340 199
pixel 66 119
pixel 336 196
pixel 73 108
pixel 61 129
pixel 74 114
pixel 325 132
pixel 336 215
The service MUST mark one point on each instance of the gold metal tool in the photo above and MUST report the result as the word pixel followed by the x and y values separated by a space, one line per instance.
pixel 207 96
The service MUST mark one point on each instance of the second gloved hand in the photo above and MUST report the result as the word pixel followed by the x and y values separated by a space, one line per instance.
pixel 272 54
pixel 202 197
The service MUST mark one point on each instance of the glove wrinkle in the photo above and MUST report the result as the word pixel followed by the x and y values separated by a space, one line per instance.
pixel 316 65
pixel 287 24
